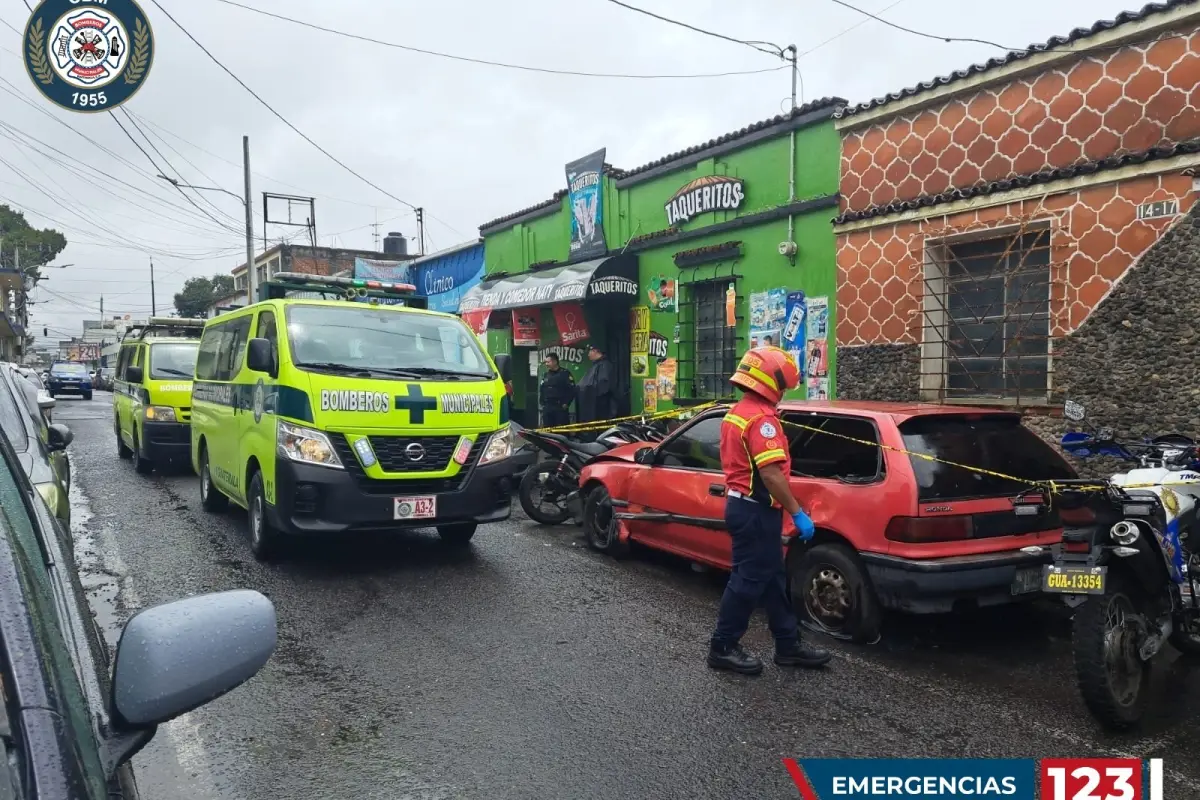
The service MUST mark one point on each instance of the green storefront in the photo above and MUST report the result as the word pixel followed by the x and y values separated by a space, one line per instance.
pixel 655 263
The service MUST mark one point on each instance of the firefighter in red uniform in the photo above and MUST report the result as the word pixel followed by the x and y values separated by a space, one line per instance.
pixel 756 462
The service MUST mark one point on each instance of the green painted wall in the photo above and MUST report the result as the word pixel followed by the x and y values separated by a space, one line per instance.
pixel 639 209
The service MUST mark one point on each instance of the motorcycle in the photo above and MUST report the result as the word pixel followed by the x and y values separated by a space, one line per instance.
pixel 546 485
pixel 1128 564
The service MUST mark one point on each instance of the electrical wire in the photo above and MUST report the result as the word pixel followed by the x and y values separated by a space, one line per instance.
pixel 7 131
pixel 270 108
pixel 775 51
pixel 922 34
pixel 178 175
pixel 10 88
pixel 487 62
pixel 149 158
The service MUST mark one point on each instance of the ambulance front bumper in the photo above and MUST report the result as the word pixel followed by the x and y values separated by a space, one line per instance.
pixel 315 500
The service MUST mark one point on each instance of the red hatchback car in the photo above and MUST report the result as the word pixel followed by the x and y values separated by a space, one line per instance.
pixel 893 530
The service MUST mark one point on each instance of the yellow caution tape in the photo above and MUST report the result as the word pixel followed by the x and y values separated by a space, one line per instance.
pixel 604 424
pixel 1053 486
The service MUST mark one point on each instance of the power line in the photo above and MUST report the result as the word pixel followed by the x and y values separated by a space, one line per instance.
pixel 776 51
pixel 149 158
pixel 484 61
pixel 922 34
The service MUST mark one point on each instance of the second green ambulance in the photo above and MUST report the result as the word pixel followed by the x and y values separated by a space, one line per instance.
pixel 324 417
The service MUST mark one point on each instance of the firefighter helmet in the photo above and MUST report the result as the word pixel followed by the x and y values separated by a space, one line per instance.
pixel 768 372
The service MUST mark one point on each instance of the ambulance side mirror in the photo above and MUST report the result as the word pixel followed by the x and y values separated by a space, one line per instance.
pixel 133 374
pixel 504 364
pixel 259 357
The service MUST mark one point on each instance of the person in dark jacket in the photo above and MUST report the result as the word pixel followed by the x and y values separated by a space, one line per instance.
pixel 598 389
pixel 556 393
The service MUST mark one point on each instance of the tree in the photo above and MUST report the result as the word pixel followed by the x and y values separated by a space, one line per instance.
pixel 198 294
pixel 36 246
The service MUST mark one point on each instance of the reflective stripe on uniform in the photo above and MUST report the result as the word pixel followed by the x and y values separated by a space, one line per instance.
pixel 769 455
pixel 758 374
pixel 741 423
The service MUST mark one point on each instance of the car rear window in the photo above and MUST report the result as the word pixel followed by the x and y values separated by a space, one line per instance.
pixel 994 442
pixel 68 369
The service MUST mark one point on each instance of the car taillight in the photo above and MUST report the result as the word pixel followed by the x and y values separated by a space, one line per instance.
pixel 916 530
pixel 1077 547
pixel 1077 517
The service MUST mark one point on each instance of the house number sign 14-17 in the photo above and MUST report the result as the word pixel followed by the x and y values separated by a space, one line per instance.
pixel 1161 208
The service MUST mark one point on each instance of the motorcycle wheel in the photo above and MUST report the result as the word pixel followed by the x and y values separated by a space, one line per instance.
pixel 532 493
pixel 1113 678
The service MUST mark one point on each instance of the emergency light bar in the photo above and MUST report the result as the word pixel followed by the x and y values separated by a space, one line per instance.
pixel 164 326
pixel 349 288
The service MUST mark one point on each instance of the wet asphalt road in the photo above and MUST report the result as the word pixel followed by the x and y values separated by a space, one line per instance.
pixel 530 667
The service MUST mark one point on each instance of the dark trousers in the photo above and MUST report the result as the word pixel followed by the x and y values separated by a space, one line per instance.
pixel 758 578
pixel 555 415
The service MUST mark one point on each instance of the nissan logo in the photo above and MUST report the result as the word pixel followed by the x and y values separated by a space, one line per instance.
pixel 414 452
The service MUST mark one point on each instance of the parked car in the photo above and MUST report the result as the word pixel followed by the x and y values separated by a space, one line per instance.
pixel 72 720
pixel 41 446
pixel 69 377
pixel 45 402
pixel 893 530
pixel 105 377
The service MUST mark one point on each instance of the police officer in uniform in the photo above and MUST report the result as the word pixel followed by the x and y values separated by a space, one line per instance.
pixel 556 393
pixel 757 462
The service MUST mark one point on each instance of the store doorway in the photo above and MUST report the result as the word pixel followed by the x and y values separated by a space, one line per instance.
pixel 609 322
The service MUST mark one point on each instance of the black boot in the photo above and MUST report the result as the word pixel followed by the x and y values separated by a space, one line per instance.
pixel 799 654
pixel 734 659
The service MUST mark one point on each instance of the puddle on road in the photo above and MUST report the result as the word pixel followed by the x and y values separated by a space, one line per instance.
pixel 100 573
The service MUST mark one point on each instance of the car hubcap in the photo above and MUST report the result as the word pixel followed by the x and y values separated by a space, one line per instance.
pixel 828 598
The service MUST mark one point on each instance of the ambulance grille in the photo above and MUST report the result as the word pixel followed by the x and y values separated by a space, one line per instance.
pixel 399 486
pixel 392 452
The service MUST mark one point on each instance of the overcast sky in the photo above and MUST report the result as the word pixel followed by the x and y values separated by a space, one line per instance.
pixel 467 142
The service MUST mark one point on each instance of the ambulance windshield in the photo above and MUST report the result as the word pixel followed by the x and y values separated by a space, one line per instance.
pixel 359 337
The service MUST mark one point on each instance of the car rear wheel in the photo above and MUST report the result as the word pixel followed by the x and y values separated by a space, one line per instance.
pixel 141 464
pixel 600 526
pixel 832 594
pixel 264 539
pixel 211 498
pixel 87 396
pixel 458 534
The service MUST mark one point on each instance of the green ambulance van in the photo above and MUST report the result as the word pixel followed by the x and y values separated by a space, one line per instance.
pixel 152 392
pixel 325 417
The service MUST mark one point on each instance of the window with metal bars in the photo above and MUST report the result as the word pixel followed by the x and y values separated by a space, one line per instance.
pixel 988 315
pixel 713 344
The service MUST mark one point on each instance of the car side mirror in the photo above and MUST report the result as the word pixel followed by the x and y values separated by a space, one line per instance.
pixel 46 402
pixel 504 364
pixel 644 456
pixel 133 374
pixel 58 436
pixel 1074 411
pixel 260 358
pixel 178 656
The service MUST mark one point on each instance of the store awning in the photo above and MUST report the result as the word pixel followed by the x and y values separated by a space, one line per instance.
pixel 614 276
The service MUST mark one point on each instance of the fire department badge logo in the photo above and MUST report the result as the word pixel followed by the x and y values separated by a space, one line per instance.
pixel 88 55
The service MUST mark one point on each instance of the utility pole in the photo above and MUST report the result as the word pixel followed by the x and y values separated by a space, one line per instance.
pixel 375 227
pixel 421 229
pixel 101 308
pixel 251 275
pixel 153 307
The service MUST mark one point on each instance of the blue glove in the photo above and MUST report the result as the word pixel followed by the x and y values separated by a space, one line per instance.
pixel 804 525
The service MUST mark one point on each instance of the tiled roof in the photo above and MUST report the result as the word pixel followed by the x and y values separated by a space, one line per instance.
pixel 1124 18
pixel 830 103
pixel 1046 176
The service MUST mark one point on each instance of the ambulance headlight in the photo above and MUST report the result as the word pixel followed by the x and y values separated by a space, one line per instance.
pixel 160 413
pixel 306 445
pixel 499 446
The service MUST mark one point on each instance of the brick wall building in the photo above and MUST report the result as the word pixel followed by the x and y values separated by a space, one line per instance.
pixel 996 222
